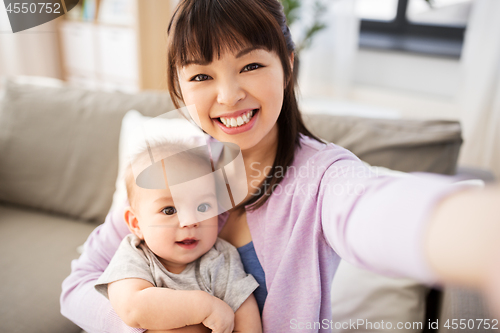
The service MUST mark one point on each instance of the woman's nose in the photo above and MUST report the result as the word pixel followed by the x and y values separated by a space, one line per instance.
pixel 230 93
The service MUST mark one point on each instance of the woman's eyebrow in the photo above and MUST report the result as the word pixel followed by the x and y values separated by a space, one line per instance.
pixel 238 55
pixel 248 50
pixel 195 62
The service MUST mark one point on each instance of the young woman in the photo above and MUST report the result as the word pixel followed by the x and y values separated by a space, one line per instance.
pixel 309 203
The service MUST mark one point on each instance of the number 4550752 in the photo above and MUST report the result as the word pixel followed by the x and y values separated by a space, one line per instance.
pixel 33 8
pixel 471 324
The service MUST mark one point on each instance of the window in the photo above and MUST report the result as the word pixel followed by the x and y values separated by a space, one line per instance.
pixel 435 28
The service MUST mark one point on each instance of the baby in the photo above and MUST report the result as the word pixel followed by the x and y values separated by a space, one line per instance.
pixel 163 254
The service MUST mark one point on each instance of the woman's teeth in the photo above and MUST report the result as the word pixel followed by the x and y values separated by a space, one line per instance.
pixel 237 122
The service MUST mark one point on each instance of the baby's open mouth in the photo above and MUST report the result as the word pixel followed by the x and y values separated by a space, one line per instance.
pixel 238 121
pixel 187 241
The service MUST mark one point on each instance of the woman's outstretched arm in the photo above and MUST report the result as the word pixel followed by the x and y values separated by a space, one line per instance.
pixel 379 220
pixel 423 227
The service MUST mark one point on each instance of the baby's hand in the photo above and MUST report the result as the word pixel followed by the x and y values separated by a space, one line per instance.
pixel 221 318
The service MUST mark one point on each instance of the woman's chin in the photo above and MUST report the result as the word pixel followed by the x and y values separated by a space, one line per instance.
pixel 245 143
pixel 245 140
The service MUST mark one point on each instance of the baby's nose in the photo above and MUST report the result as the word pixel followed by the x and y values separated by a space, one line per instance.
pixel 187 217
pixel 189 225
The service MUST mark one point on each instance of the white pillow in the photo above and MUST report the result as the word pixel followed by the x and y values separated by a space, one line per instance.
pixel 132 140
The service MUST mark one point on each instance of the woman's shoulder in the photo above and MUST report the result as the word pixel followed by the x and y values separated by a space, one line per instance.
pixel 326 153
pixel 312 160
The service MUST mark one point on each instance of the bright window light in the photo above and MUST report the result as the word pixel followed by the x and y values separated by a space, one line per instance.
pixel 381 10
pixel 443 12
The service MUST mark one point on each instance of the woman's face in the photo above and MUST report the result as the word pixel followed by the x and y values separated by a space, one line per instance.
pixel 238 97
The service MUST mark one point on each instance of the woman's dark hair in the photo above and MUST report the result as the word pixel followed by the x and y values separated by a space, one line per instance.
pixel 200 29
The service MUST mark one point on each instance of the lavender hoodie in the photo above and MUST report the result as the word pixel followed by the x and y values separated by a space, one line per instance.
pixel 329 206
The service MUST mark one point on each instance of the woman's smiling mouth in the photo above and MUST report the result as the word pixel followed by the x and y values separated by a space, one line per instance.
pixel 234 125
pixel 238 121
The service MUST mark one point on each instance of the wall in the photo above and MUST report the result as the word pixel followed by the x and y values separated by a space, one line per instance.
pixel 385 84
pixel 418 86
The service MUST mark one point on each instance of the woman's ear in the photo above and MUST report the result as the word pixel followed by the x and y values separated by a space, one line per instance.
pixel 133 222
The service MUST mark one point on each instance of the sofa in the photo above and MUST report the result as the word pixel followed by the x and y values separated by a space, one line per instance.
pixel 58 171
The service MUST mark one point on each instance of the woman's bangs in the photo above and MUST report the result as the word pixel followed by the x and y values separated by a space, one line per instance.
pixel 204 33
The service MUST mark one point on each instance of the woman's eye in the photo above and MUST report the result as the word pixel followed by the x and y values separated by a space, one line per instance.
pixel 203 208
pixel 251 67
pixel 200 77
pixel 169 210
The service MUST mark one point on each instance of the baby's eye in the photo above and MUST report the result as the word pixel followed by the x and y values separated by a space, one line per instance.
pixel 251 67
pixel 203 208
pixel 169 210
pixel 200 77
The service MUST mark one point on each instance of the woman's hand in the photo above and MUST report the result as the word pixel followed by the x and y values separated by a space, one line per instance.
pixel 221 318
pixel 462 242
pixel 492 287
pixel 462 239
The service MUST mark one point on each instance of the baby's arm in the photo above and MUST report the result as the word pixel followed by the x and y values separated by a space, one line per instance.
pixel 200 328
pixel 140 304
pixel 247 317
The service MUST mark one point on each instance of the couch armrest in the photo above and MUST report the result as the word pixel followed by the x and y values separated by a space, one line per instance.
pixel 475 173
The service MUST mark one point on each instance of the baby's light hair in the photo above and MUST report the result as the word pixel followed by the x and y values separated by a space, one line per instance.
pixel 157 151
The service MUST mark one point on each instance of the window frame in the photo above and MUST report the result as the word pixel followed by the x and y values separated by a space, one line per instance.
pixel 403 35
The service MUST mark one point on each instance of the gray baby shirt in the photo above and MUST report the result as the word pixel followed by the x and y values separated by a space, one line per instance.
pixel 218 272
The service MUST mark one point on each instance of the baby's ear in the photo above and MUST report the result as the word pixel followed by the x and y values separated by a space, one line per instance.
pixel 132 222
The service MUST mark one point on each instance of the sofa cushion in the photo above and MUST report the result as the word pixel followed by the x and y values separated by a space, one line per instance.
pixel 363 297
pixel 59 146
pixel 397 144
pixel 37 250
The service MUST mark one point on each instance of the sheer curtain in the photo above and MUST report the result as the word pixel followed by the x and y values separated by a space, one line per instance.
pixel 480 92
pixel 326 68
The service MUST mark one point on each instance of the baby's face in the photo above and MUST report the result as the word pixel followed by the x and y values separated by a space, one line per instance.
pixel 176 245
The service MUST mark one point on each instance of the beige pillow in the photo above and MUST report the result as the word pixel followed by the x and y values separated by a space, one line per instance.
pixel 376 303
pixel 59 146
